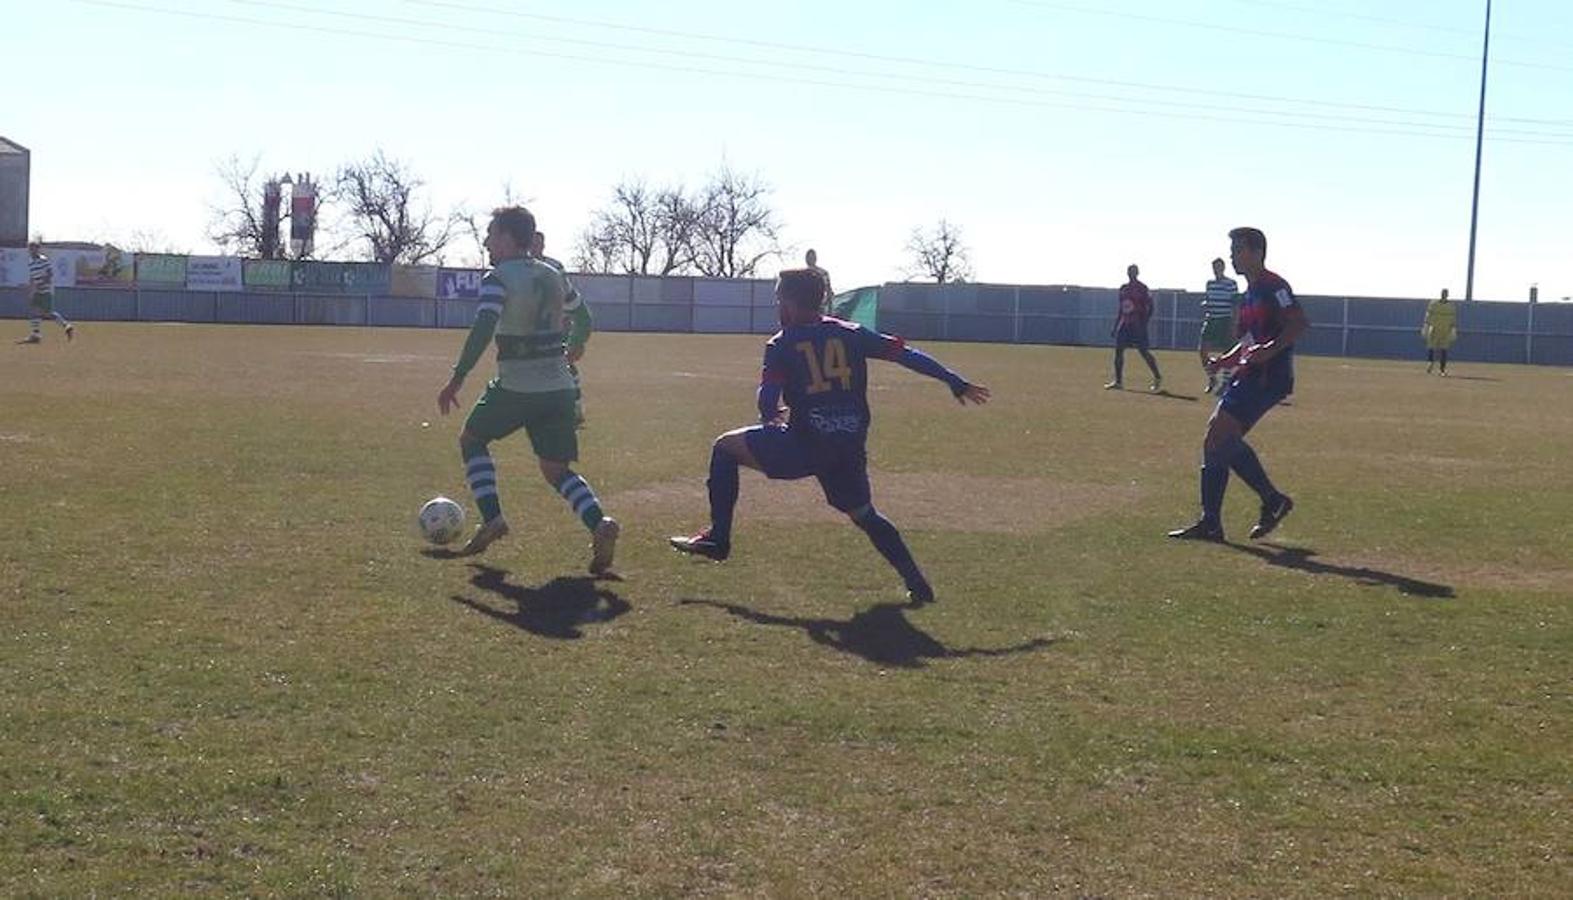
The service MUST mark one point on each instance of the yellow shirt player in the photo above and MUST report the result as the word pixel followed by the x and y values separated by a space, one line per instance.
pixel 1440 331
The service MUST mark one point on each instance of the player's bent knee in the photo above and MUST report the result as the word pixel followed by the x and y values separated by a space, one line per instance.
pixel 862 514
pixel 554 471
pixel 1221 429
pixel 732 443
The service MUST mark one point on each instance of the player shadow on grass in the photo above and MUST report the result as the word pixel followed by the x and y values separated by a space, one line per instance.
pixel 1301 559
pixel 1166 395
pixel 556 609
pixel 880 634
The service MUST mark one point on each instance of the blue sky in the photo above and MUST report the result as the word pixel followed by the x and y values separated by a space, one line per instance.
pixel 1066 139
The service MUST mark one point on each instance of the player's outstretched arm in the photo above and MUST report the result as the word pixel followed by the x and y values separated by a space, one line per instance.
pixel 920 362
pixel 1258 355
pixel 975 393
pixel 481 333
pixel 1222 360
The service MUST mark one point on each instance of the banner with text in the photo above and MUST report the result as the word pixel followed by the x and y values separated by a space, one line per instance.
pixel 101 267
pixel 266 274
pixel 214 273
pixel 367 278
pixel 458 284
pixel 342 278
pixel 161 269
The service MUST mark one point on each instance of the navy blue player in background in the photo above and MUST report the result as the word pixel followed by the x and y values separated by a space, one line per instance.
pixel 818 365
pixel 1270 320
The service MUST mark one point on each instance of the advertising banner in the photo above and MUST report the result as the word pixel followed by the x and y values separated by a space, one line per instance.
pixel 367 278
pixel 414 281
pixel 341 278
pixel 214 273
pixel 266 274
pixel 158 268
pixel 312 276
pixel 102 267
pixel 458 284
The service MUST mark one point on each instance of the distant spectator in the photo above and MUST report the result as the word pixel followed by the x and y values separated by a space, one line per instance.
pixel 811 259
pixel 1440 331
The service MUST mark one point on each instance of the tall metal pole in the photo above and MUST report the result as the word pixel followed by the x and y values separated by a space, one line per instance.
pixel 1480 139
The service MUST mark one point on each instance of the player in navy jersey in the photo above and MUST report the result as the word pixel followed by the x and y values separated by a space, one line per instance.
pixel 1270 320
pixel 818 367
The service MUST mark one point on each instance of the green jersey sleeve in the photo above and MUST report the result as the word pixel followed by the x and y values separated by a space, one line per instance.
pixel 488 311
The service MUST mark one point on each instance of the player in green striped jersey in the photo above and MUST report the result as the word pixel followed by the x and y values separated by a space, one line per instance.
pixel 1218 330
pixel 523 305
pixel 578 324
pixel 40 292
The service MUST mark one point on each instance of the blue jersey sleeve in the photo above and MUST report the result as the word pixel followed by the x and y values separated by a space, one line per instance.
pixel 893 349
pixel 777 367
pixel 773 377
pixel 873 345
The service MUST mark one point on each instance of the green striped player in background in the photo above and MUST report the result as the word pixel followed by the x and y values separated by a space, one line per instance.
pixel 1218 332
pixel 41 296
pixel 523 305
pixel 578 324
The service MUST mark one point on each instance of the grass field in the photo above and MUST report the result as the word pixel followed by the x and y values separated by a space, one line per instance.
pixel 228 668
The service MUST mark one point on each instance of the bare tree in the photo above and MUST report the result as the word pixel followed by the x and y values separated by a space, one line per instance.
pixel 737 229
pixel 641 231
pixel 473 222
pixel 235 219
pixel 678 216
pixel 153 240
pixel 382 209
pixel 939 254
pixel 238 218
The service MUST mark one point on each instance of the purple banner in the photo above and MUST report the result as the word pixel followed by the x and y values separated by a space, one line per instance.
pixel 458 284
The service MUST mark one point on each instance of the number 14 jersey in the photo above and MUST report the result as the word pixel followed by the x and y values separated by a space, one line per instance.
pixel 822 369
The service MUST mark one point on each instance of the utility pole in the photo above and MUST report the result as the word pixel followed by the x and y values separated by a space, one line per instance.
pixel 1480 139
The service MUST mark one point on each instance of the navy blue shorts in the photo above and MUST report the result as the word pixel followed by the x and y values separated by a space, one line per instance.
pixel 842 472
pixel 1131 336
pixel 1248 397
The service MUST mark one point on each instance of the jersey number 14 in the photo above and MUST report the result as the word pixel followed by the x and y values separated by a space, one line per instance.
pixel 833 366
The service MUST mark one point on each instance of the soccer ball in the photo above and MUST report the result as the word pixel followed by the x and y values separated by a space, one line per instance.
pixel 441 520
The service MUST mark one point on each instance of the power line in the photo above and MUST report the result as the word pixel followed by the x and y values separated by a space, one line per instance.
pixel 1322 12
pixel 1282 35
pixel 931 63
pixel 841 71
pixel 1357 17
pixel 1435 132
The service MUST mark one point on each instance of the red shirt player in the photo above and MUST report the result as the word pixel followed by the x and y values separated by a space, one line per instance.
pixel 1130 330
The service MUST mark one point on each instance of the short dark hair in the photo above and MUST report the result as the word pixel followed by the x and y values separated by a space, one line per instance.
pixel 1217 260
pixel 1252 238
pixel 803 288
pixel 517 221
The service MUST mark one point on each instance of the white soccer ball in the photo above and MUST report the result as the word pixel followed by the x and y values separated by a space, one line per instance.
pixel 441 520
